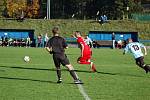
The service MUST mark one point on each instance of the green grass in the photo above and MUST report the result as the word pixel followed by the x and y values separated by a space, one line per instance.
pixel 118 77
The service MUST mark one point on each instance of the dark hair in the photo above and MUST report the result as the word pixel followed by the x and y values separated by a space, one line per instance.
pixel 78 32
pixel 55 30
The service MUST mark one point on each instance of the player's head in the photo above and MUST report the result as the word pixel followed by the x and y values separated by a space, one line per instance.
pixel 55 30
pixel 129 40
pixel 77 34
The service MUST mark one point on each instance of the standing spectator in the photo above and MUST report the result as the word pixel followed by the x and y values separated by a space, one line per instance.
pixel 28 42
pixel 46 38
pixel 56 46
pixel 113 40
pixel 39 40
pixel 88 41
pixel 86 51
pixel 135 49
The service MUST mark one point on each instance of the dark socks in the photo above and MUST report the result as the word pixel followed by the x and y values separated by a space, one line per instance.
pixel 73 74
pixel 59 73
pixel 147 68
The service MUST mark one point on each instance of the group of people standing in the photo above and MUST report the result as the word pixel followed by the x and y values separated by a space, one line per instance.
pixel 42 40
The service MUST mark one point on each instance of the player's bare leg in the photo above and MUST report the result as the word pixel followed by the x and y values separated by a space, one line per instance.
pixel 93 68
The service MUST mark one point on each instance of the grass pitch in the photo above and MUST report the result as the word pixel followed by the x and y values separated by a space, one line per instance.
pixel 118 77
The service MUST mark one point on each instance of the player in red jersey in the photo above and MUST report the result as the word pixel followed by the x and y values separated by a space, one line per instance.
pixel 86 51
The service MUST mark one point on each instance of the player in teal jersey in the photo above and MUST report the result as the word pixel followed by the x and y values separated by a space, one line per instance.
pixel 136 49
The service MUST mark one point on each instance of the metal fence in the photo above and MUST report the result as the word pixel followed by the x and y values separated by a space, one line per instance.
pixel 141 17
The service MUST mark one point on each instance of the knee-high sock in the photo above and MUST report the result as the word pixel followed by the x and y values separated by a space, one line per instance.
pixel 73 74
pixel 59 73
pixel 147 67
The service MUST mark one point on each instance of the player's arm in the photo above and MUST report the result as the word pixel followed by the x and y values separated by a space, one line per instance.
pixel 145 50
pixel 49 47
pixel 73 35
pixel 64 43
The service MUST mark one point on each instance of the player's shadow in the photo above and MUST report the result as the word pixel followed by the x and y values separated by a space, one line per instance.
pixel 27 68
pixel 95 72
pixel 109 73
pixel 123 74
pixel 26 79
pixel 84 71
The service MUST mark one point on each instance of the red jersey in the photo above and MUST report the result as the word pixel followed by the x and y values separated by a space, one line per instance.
pixel 85 49
pixel 81 41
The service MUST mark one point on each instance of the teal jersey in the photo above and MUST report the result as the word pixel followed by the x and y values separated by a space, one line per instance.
pixel 135 49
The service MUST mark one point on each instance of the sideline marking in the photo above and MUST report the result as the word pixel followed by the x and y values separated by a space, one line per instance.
pixel 82 91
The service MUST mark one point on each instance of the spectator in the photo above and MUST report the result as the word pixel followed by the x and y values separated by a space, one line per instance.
pixel 103 19
pixel 113 40
pixel 28 42
pixel 39 40
pixel 46 38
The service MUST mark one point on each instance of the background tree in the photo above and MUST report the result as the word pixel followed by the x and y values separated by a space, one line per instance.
pixel 79 9
pixel 16 8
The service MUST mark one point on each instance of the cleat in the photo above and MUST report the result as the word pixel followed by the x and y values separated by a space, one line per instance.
pixel 59 81
pixel 146 68
pixel 93 68
pixel 146 71
pixel 78 81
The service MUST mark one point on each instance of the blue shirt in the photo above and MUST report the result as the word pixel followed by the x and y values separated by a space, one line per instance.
pixel 135 49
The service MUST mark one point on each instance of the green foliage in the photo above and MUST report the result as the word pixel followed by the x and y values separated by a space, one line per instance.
pixel 119 9
pixel 82 9
pixel 16 9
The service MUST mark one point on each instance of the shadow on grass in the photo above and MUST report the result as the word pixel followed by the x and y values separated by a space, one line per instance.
pixel 16 67
pixel 117 74
pixel 124 74
pixel 84 71
pixel 25 79
pixel 2 70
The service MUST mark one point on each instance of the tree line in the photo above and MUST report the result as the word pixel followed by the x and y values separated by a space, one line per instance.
pixel 79 9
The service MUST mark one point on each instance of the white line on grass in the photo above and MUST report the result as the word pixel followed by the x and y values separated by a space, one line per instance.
pixel 82 91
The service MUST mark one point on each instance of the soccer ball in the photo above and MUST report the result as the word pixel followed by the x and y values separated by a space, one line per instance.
pixel 26 58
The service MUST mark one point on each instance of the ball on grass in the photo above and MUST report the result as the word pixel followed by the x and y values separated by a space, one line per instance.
pixel 26 58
